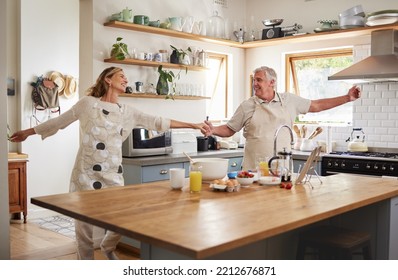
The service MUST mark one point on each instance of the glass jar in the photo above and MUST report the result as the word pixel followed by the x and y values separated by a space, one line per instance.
pixel 164 55
pixel 215 26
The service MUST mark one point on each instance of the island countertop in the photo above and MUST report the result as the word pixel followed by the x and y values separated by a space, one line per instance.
pixel 201 225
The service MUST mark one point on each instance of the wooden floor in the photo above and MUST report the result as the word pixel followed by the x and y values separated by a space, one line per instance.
pixel 30 242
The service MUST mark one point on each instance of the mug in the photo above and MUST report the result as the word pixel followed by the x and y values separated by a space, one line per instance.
pixel 154 23
pixel 141 19
pixel 177 178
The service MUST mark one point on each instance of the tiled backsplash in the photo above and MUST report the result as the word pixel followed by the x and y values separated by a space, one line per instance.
pixel 376 112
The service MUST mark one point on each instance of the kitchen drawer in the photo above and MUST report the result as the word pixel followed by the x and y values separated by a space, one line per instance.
pixel 235 164
pixel 158 172
pixel 298 164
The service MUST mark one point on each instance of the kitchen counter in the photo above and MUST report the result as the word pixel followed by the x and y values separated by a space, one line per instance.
pixel 178 224
pixel 175 158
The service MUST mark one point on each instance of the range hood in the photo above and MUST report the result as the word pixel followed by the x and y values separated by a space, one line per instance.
pixel 381 65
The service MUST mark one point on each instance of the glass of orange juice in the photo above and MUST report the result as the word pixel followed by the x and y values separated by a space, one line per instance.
pixel 195 180
pixel 262 166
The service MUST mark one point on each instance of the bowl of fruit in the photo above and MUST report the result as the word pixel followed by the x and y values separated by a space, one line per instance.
pixel 245 178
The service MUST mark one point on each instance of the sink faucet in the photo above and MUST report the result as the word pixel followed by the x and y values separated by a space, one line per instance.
pixel 276 136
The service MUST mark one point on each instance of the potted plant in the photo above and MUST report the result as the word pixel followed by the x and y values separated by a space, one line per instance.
pixel 180 56
pixel 166 77
pixel 119 49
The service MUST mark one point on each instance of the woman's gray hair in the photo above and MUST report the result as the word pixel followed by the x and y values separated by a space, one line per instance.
pixel 269 73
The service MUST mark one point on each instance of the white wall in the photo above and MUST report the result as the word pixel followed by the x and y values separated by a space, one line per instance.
pixel 4 210
pixel 49 40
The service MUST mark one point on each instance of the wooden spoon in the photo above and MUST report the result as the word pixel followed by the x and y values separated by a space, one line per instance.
pixel 297 130
pixel 316 132
pixel 303 131
pixel 190 159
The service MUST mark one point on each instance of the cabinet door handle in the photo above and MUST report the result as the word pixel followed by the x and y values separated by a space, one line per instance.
pixel 234 164
pixel 163 171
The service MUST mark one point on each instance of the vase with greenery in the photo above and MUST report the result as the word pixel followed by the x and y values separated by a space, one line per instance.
pixel 182 55
pixel 119 50
pixel 166 84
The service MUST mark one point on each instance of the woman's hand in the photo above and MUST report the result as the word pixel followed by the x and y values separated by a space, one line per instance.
pixel 21 135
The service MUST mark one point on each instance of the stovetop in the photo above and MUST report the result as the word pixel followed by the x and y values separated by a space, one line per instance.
pixel 380 155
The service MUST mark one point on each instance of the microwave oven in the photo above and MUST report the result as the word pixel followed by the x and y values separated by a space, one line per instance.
pixel 143 142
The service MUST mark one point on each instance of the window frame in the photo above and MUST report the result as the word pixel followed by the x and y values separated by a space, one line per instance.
pixel 224 61
pixel 291 57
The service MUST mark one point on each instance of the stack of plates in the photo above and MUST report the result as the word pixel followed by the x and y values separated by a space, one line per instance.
pixel 382 17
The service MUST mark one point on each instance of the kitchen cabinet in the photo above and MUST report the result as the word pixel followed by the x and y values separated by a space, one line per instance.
pixel 134 174
pixel 235 164
pixel 17 188
pixel 299 164
pixel 337 34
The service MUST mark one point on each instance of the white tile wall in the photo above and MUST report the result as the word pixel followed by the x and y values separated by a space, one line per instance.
pixel 376 112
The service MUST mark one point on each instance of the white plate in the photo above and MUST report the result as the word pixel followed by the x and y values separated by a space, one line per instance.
pixel 269 180
pixel 381 21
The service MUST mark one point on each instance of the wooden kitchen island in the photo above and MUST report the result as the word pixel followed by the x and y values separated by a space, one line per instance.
pixel 258 222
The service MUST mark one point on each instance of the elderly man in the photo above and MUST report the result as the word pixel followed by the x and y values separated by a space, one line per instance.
pixel 262 114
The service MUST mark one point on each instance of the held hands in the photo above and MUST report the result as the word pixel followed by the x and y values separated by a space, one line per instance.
pixel 354 93
pixel 209 130
pixel 204 128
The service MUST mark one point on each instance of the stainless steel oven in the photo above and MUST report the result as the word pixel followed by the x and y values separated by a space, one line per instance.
pixel 370 163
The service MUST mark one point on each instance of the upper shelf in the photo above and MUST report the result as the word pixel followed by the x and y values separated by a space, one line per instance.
pixel 130 61
pixel 338 34
pixel 170 32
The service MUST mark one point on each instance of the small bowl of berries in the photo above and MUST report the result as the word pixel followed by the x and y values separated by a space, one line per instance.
pixel 245 178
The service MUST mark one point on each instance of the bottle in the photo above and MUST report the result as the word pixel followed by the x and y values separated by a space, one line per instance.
pixel 202 58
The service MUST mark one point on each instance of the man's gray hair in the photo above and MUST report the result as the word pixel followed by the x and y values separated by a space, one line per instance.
pixel 269 73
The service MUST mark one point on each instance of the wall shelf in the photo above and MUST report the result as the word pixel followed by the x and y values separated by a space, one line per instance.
pixel 155 96
pixel 170 33
pixel 338 34
pixel 148 63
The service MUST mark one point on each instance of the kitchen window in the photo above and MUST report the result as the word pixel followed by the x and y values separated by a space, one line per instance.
pixel 216 86
pixel 307 75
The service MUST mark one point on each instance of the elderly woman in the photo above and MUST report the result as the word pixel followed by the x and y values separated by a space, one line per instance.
pixel 104 125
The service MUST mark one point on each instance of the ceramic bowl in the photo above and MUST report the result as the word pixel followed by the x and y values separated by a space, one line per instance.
pixel 269 180
pixel 245 181
pixel 154 23
pixel 211 168
pixel 232 175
